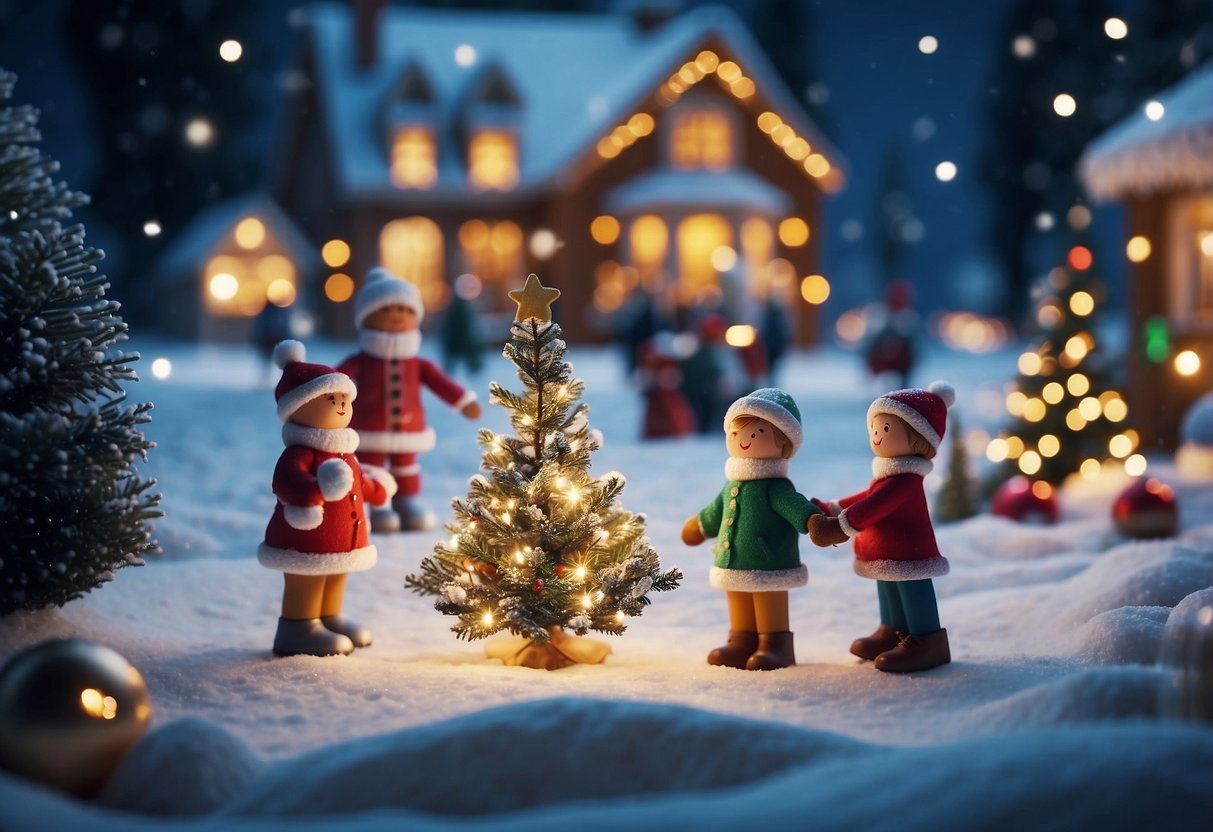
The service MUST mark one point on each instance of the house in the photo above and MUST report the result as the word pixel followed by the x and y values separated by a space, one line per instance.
pixel 231 261
pixel 1159 163
pixel 610 155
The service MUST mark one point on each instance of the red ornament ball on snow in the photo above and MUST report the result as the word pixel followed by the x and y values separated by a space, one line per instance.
pixel 1025 501
pixel 1147 508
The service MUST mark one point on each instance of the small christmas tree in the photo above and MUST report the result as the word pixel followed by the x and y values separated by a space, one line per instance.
pixel 1067 418
pixel 539 544
pixel 957 498
pixel 72 507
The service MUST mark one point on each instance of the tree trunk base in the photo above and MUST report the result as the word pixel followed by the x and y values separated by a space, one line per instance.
pixel 561 650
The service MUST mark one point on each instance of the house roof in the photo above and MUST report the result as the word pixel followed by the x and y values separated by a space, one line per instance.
pixel 1139 155
pixel 699 190
pixel 203 236
pixel 578 76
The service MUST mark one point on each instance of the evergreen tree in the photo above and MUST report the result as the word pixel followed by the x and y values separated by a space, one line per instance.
pixel 540 544
pixel 894 222
pixel 957 497
pixel 1066 417
pixel 72 507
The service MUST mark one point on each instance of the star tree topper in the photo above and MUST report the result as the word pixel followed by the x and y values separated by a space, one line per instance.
pixel 534 300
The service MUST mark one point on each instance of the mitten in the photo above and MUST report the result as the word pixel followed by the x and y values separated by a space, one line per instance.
pixel 692 534
pixel 826 531
pixel 335 478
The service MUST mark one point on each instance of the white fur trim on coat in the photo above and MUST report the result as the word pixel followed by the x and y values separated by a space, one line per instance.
pixel 741 469
pixel 758 580
pixel 316 563
pixel 335 478
pixel 381 476
pixel 884 467
pixel 331 440
pixel 463 401
pixel 902 570
pixel 390 345
pixel 392 442
pixel 304 518
pixel 845 524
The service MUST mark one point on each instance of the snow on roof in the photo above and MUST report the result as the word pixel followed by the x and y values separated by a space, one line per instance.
pixel 203 235
pixel 578 76
pixel 670 188
pixel 1140 155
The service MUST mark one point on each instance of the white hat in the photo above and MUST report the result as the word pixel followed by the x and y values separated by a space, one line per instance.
pixel 774 405
pixel 382 288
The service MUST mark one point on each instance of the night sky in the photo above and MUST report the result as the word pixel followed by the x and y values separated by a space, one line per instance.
pixel 881 87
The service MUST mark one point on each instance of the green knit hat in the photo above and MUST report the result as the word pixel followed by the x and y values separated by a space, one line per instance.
pixel 774 405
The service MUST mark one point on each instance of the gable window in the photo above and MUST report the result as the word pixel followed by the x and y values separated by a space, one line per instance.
pixel 493 252
pixel 493 160
pixel 411 248
pixel 701 138
pixel 414 159
pixel 1192 268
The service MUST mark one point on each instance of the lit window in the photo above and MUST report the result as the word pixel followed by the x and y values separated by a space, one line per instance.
pixel 493 252
pixel 698 237
pixel 493 160
pixel 414 160
pixel 411 248
pixel 649 241
pixel 701 139
pixel 1191 295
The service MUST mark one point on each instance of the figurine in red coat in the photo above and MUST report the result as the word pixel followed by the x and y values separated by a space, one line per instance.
pixel 318 533
pixel 894 541
pixel 389 375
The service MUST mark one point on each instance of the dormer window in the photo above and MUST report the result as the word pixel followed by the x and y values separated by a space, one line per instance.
pixel 414 159
pixel 701 137
pixel 493 159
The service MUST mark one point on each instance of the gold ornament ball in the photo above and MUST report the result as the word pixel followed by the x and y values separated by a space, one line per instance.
pixel 70 710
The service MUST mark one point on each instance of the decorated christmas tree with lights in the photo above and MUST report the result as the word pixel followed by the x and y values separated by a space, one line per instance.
pixel 1066 417
pixel 540 546
pixel 73 507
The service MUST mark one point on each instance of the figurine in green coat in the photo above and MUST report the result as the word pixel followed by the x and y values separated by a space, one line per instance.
pixel 756 518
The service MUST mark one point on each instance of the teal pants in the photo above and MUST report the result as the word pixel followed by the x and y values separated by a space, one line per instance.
pixel 908 606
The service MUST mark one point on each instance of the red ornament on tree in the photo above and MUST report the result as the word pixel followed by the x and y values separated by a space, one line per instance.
pixel 1025 501
pixel 1146 509
pixel 537 586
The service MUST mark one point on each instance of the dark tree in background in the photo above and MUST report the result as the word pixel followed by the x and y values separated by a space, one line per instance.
pixel 895 225
pixel 1048 48
pixel 73 508
pixel 785 29
pixel 175 123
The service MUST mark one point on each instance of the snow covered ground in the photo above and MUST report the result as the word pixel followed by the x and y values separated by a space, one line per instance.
pixel 1049 715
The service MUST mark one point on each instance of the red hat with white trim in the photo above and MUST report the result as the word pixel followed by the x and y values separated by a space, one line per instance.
pixel 301 382
pixel 382 288
pixel 924 410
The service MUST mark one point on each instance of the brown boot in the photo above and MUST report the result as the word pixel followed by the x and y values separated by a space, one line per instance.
pixel 734 653
pixel 885 638
pixel 916 653
pixel 774 651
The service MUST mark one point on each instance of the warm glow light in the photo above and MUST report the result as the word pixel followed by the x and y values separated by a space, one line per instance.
pixel 1137 249
pixel 493 159
pixel 1187 363
pixel 927 44
pixel 641 124
pixel 743 87
pixel 1048 316
pixel 1029 462
pixel 1090 468
pixel 414 162
pixel 1206 245
pixel 1041 490
pixel 1053 392
pixel 707 61
pixel 793 232
pixel 1090 408
pixel 1029 363
pixel 250 233
pixel 152 228
pixel 1076 348
pixel 740 335
pixel 768 121
pixel 815 289
pixel 280 292
pixel 1075 420
pixel 1079 258
pixel 487 619
pixel 604 229
pixel 1082 303
pixel 543 243
pixel 1023 46
pixel 199 132
pixel 728 72
pixel 1065 105
pixel 1014 447
pixel 336 253
pixel 723 258
pixel 579 573
pixel 1155 110
pixel 339 287
pixel 230 51
pixel 1120 446
pixel 223 286
pixel 1135 465
pixel 162 368
pixel 945 171
pixel 996 451
pixel 1034 410
pixel 1115 410
pixel 1078 384
pixel 1049 445
pixel 96 704
pixel 1016 403
pixel 1115 28
pixel 816 165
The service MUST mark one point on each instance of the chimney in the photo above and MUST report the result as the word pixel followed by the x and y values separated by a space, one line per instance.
pixel 367 15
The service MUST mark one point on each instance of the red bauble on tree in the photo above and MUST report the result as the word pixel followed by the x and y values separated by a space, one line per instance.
pixel 1026 501
pixel 1147 508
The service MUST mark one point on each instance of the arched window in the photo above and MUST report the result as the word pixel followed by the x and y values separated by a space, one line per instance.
pixel 701 138
pixel 699 236
pixel 411 248
pixel 649 240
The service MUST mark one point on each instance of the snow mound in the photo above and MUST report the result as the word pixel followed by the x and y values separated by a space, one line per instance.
pixel 194 765
pixel 1094 695
pixel 1148 573
pixel 1129 635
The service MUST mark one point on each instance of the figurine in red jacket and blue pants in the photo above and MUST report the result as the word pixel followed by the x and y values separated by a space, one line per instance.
pixel 894 541
pixel 390 374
